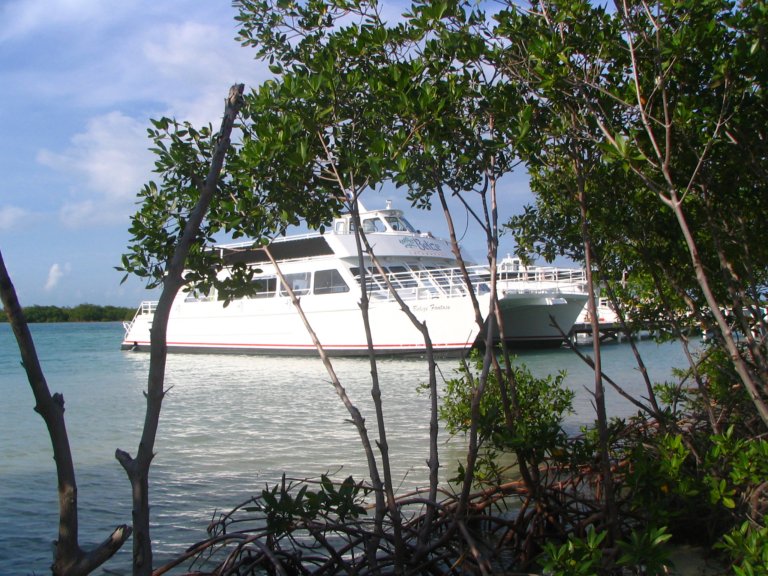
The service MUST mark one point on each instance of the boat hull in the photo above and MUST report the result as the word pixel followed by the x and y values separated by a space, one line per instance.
pixel 533 319
pixel 275 327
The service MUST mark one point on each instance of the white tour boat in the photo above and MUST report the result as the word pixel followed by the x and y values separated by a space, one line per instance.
pixel 323 271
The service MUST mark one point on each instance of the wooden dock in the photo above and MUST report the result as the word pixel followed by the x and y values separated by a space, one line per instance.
pixel 606 330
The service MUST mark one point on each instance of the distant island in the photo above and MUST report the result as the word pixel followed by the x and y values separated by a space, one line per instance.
pixel 80 313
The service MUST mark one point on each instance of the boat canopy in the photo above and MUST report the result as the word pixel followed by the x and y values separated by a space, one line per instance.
pixel 307 247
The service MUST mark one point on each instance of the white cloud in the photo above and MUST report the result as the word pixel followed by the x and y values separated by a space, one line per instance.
pixel 188 51
pixel 24 17
pixel 55 274
pixel 181 69
pixel 194 64
pixel 166 57
pixel 111 160
pixel 180 65
pixel 12 216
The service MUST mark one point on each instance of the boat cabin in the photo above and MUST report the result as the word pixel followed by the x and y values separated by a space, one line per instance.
pixel 383 221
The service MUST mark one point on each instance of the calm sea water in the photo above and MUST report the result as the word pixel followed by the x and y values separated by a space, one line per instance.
pixel 229 426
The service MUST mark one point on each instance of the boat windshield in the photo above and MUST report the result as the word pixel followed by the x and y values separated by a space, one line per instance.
pixel 373 225
pixel 399 224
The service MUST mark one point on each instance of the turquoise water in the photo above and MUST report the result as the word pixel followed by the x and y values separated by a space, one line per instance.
pixel 230 425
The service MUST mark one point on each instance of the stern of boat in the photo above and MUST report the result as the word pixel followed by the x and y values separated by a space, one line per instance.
pixel 137 330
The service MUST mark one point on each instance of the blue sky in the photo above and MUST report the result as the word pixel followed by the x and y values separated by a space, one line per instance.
pixel 79 81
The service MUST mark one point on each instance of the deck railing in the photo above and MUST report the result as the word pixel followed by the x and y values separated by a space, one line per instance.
pixel 543 278
pixel 449 282
pixel 146 307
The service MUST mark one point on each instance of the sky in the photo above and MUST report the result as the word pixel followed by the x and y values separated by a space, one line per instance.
pixel 79 82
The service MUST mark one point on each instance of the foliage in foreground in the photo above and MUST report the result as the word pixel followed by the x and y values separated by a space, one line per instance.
pixel 677 482
pixel 533 432
pixel 322 527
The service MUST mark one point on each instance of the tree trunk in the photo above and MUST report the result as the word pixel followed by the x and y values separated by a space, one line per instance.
pixel 611 512
pixel 138 468
pixel 69 558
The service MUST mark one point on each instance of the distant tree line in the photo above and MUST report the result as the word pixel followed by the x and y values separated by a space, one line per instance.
pixel 80 313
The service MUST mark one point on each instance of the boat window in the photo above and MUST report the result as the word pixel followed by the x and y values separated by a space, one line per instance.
pixel 329 282
pixel 439 275
pixel 373 225
pixel 263 287
pixel 368 271
pixel 399 224
pixel 377 281
pixel 373 280
pixel 299 283
pixel 194 295
pixel 401 277
pixel 341 227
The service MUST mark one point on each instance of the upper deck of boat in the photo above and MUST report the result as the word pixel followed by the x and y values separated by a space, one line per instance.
pixel 387 229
